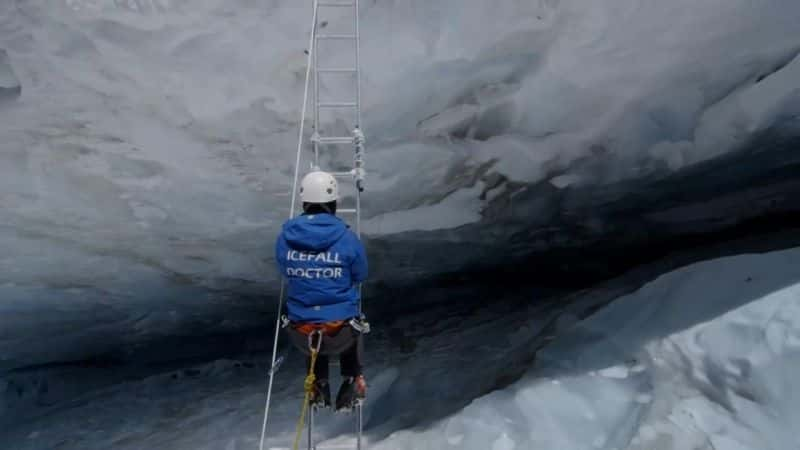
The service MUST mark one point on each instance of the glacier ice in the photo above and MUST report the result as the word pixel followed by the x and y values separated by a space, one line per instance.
pixel 705 356
pixel 146 167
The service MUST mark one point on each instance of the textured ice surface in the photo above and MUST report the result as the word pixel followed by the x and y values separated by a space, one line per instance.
pixel 145 169
pixel 705 357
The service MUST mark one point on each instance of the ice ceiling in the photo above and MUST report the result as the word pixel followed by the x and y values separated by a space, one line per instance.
pixel 146 147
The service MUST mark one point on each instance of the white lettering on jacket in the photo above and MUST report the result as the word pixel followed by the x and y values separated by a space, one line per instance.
pixel 327 257
pixel 314 273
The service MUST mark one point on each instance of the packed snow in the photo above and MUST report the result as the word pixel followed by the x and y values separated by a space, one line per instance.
pixel 704 357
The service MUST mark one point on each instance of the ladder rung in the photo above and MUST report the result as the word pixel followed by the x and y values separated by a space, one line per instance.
pixel 335 140
pixel 337 70
pixel 337 4
pixel 323 447
pixel 335 36
pixel 338 105
pixel 343 174
pixel 347 210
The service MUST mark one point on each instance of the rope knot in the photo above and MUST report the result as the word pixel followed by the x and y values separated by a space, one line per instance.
pixel 309 383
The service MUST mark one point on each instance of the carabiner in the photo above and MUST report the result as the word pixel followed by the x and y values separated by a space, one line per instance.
pixel 311 346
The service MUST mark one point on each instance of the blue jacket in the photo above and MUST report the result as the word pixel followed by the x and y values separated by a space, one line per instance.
pixel 323 261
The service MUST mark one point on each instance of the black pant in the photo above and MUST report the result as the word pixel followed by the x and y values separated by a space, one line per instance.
pixel 347 343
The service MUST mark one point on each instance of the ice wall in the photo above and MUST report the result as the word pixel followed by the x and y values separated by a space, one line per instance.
pixel 145 170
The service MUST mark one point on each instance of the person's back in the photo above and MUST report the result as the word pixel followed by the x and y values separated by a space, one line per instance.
pixel 323 262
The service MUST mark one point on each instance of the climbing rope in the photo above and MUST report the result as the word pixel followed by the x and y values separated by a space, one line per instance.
pixel 311 51
pixel 308 385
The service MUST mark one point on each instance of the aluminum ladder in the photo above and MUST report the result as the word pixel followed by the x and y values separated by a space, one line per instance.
pixel 351 445
pixel 321 142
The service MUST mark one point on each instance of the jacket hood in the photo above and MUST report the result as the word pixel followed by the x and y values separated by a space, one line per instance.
pixel 313 231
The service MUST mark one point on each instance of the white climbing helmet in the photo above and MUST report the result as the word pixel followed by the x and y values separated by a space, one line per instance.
pixel 319 187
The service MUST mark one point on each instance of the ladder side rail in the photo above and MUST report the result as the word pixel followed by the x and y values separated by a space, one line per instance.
pixel 360 427
pixel 358 157
pixel 358 62
pixel 316 86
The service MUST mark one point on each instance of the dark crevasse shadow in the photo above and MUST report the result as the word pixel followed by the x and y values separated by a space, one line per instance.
pixel 594 233
pixel 9 94
pixel 10 87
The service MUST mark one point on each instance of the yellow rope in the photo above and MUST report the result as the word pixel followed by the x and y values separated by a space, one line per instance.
pixel 309 388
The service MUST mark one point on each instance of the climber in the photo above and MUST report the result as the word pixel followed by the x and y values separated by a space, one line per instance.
pixel 324 262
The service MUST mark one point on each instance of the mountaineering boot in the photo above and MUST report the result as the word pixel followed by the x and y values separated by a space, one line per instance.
pixel 353 390
pixel 321 396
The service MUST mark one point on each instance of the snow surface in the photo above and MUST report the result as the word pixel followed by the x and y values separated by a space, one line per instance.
pixel 705 357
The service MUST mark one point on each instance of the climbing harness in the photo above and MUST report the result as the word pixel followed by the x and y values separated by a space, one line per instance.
pixel 328 329
pixel 359 324
pixel 321 139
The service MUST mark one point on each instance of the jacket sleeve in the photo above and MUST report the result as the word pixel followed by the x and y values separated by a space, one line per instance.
pixel 280 254
pixel 359 268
